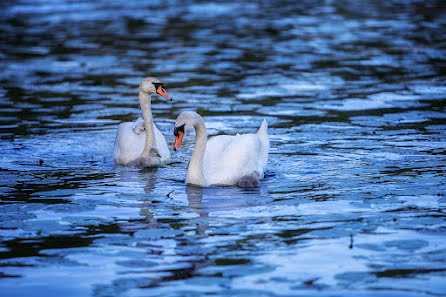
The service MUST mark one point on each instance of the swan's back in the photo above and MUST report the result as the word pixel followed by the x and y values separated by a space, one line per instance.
pixel 129 145
pixel 228 158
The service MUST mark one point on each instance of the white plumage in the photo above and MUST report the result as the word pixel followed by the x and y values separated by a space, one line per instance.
pixel 141 143
pixel 224 160
pixel 130 142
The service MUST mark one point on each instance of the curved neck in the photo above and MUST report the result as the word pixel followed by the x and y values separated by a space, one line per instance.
pixel 145 102
pixel 195 170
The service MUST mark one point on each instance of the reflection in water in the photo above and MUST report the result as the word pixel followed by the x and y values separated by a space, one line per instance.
pixel 149 176
pixel 195 203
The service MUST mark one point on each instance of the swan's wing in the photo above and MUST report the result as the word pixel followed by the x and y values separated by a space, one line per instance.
pixel 227 158
pixel 128 145
pixel 138 126
pixel 215 147
pixel 242 154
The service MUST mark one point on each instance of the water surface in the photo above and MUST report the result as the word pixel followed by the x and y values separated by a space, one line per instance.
pixel 353 201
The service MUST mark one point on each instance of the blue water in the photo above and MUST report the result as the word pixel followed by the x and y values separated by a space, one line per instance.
pixel 353 201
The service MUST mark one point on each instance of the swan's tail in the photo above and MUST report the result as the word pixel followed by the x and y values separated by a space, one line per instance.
pixel 263 128
pixel 264 149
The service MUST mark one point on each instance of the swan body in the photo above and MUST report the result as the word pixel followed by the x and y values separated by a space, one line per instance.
pixel 130 141
pixel 141 143
pixel 223 160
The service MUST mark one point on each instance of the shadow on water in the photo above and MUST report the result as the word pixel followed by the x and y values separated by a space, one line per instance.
pixel 354 194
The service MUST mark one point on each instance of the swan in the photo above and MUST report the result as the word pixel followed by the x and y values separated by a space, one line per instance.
pixel 238 160
pixel 132 146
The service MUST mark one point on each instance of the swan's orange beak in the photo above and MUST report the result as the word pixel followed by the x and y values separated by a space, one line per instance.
pixel 161 91
pixel 178 140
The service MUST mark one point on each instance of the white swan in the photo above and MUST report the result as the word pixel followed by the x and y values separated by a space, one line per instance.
pixel 132 146
pixel 223 160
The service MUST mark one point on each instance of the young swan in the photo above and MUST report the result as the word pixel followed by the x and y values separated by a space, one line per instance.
pixel 238 160
pixel 132 146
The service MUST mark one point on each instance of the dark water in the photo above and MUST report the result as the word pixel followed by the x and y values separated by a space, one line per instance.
pixel 353 203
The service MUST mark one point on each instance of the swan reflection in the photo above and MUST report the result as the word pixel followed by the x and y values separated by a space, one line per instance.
pixel 195 203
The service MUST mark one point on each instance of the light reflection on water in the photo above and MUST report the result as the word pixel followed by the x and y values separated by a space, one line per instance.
pixel 353 198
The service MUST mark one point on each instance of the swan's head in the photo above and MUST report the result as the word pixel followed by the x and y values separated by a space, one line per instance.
pixel 151 85
pixel 185 121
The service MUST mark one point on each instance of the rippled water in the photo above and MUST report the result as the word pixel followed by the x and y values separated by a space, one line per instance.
pixel 353 203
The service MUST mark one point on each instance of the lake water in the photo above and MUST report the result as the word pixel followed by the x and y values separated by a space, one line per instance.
pixel 353 202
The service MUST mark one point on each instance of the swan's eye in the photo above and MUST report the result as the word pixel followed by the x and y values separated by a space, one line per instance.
pixel 157 85
pixel 178 129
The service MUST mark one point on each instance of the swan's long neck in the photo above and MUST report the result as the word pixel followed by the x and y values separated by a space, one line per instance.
pixel 146 102
pixel 195 171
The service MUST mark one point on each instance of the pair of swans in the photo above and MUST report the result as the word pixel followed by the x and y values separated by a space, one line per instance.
pixel 223 160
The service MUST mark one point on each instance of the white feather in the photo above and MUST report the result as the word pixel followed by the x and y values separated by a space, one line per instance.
pixel 224 159
pixel 129 145
pixel 141 143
